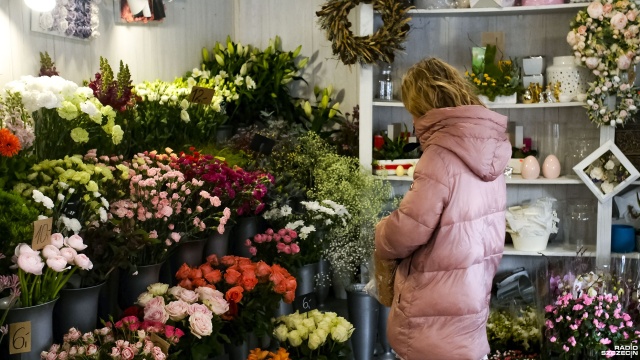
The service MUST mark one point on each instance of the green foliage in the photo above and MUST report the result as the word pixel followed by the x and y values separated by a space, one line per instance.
pixel 343 180
pixel 393 149
pixel 16 225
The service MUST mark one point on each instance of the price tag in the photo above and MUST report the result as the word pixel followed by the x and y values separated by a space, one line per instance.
pixel 71 207
pixel 160 342
pixel 201 95
pixel 306 302
pixel 41 233
pixel 20 337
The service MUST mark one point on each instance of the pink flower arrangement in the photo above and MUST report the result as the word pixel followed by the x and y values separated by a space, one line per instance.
pixel 44 273
pixel 597 323
pixel 127 339
pixel 237 188
pixel 199 310
pixel 273 247
pixel 166 205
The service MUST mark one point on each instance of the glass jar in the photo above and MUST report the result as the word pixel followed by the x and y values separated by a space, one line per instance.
pixel 577 150
pixel 385 83
pixel 578 225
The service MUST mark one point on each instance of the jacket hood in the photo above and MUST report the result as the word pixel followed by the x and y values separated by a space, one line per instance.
pixel 474 133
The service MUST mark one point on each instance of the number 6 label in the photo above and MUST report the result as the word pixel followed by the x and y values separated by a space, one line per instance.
pixel 20 337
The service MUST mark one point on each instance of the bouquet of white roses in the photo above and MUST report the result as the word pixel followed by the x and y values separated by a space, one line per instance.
pixel 314 335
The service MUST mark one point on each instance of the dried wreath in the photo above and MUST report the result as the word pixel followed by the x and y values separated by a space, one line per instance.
pixel 381 45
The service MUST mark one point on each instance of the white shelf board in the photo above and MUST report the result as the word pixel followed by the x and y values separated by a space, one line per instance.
pixel 551 250
pixel 631 255
pixel 395 103
pixel 514 179
pixel 511 10
pixel 517 179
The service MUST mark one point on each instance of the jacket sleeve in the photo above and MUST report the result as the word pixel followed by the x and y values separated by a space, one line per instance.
pixel 410 226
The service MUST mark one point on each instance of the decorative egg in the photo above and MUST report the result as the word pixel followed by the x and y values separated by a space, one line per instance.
pixel 411 170
pixel 530 168
pixel 551 167
pixel 400 171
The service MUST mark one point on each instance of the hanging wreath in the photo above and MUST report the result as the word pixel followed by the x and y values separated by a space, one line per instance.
pixel 604 38
pixel 379 46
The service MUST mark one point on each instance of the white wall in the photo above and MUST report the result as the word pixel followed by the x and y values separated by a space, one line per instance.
pixel 296 23
pixel 168 49
pixel 163 50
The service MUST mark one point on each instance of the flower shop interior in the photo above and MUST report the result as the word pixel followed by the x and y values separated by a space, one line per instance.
pixel 201 179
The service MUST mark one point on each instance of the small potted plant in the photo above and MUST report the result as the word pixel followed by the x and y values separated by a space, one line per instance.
pixel 495 81
pixel 394 156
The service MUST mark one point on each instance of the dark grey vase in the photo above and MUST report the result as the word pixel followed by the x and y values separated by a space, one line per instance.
pixel 131 286
pixel 363 314
pixel 306 279
pixel 238 352
pixel 383 317
pixel 246 228
pixel 77 308
pixel 217 244
pixel 189 252
pixel 41 318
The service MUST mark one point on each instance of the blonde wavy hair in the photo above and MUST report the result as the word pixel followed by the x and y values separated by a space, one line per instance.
pixel 433 84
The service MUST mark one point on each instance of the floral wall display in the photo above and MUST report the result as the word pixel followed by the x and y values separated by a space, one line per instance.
pixel 606 171
pixel 604 38
pixel 70 18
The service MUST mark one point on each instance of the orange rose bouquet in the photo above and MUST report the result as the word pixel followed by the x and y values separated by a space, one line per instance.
pixel 252 289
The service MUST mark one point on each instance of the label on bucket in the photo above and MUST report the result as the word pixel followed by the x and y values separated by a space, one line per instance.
pixel 20 337
pixel 41 233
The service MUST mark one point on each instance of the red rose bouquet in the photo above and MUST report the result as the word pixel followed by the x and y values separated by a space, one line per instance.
pixel 252 289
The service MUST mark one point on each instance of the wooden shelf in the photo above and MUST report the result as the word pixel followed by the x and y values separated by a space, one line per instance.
pixel 511 10
pixel 551 250
pixel 395 103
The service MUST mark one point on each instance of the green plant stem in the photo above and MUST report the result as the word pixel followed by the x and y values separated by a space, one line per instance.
pixel 63 282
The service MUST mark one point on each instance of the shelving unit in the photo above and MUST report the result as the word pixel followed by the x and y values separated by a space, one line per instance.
pixel 449 34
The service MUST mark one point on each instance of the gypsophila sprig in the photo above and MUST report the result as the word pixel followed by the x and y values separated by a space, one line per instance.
pixel 605 39
pixel 607 172
pixel 314 335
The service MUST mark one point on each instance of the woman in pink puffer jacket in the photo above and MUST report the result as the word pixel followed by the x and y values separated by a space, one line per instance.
pixel 449 230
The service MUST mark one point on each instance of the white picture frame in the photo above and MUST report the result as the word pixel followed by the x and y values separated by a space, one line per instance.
pixel 608 146
pixel 57 22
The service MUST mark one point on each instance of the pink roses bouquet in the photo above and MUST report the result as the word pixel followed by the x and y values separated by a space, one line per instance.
pixel 44 273
pixel 127 339
pixel 198 310
pixel 279 247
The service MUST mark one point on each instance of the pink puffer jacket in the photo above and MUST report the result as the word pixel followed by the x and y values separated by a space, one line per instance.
pixel 449 232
